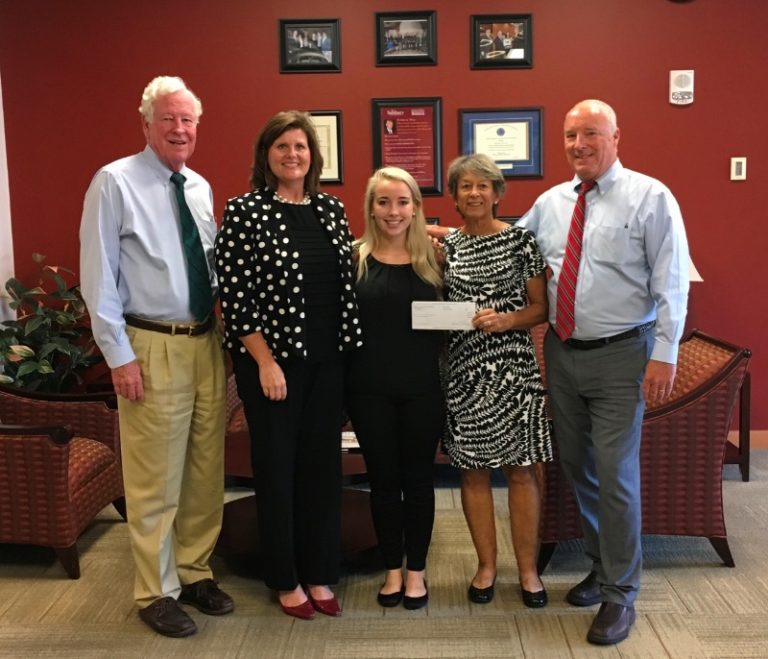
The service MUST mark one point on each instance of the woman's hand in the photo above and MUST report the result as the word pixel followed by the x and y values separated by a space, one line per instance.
pixel 489 320
pixel 272 381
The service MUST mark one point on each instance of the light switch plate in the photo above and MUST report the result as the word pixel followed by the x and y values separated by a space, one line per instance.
pixel 739 168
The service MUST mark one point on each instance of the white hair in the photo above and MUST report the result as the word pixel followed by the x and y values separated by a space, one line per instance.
pixel 162 86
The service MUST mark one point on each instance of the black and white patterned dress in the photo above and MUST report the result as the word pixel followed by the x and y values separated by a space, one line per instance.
pixel 495 398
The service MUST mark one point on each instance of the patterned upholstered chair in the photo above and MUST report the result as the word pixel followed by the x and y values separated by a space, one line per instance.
pixel 682 453
pixel 59 466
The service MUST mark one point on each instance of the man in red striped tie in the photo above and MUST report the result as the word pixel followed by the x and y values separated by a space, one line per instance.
pixel 616 244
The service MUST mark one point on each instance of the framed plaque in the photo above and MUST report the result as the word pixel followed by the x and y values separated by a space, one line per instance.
pixel 328 126
pixel 511 137
pixel 501 41
pixel 407 134
pixel 405 38
pixel 310 45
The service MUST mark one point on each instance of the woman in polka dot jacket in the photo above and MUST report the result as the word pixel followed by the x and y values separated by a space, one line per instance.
pixel 287 295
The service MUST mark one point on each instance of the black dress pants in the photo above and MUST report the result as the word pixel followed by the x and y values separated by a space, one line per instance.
pixel 398 436
pixel 296 457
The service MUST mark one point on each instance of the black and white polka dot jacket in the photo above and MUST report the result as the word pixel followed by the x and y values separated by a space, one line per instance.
pixel 260 281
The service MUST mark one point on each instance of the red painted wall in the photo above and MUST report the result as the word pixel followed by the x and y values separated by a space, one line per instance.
pixel 72 73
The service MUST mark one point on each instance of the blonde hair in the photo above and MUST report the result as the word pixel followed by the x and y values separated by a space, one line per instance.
pixel 417 241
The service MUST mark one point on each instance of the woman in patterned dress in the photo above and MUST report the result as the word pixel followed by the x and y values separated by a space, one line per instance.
pixel 495 399
pixel 283 257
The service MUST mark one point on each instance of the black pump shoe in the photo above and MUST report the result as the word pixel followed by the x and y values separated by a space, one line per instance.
pixel 413 603
pixel 390 599
pixel 481 595
pixel 535 600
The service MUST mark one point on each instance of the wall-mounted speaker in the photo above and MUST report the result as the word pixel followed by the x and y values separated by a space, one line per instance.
pixel 681 87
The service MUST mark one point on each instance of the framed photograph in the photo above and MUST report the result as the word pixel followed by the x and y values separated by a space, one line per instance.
pixel 328 126
pixel 432 220
pixel 500 41
pixel 407 134
pixel 511 137
pixel 406 38
pixel 311 45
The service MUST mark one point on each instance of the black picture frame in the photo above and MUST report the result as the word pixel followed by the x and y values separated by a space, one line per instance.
pixel 406 38
pixel 432 220
pixel 310 45
pixel 509 219
pixel 407 133
pixel 328 127
pixel 501 41
pixel 511 136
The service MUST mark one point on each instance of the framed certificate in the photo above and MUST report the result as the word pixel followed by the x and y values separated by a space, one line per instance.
pixel 328 127
pixel 407 134
pixel 511 137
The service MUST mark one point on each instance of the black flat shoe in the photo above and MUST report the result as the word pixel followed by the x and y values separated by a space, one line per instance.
pixel 481 595
pixel 535 600
pixel 390 599
pixel 413 603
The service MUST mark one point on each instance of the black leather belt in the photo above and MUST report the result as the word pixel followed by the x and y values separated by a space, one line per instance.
pixel 591 344
pixel 174 329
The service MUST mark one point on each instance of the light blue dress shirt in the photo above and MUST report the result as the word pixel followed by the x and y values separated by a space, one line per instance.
pixel 131 256
pixel 634 261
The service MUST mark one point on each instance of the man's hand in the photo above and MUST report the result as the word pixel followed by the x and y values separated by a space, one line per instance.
pixel 658 381
pixel 126 380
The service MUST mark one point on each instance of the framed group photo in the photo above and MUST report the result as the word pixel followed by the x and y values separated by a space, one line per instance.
pixel 310 45
pixel 407 133
pixel 328 127
pixel 511 137
pixel 406 38
pixel 501 41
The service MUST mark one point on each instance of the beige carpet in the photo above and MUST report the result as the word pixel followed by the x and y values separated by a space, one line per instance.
pixel 689 606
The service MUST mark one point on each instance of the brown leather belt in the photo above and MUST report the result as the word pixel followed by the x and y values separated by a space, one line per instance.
pixel 174 329
pixel 591 344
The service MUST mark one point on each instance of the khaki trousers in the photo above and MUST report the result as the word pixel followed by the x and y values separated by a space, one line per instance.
pixel 173 460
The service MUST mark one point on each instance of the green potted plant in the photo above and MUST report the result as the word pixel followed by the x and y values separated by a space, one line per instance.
pixel 50 344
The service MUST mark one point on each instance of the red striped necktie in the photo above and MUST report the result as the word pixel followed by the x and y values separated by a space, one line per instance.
pixel 566 284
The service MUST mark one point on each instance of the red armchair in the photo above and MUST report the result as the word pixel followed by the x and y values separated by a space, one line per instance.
pixel 59 466
pixel 684 446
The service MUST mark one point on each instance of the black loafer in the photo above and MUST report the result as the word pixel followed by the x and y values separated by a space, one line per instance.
pixel 535 600
pixel 481 595
pixel 586 592
pixel 390 599
pixel 166 617
pixel 413 603
pixel 611 624
pixel 206 596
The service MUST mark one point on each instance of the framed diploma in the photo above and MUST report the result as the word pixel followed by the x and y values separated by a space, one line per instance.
pixel 407 134
pixel 328 127
pixel 511 137
pixel 501 41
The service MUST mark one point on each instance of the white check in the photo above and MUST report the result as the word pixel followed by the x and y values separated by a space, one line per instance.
pixel 442 315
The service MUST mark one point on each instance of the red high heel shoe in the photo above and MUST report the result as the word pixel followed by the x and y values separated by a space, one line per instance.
pixel 329 607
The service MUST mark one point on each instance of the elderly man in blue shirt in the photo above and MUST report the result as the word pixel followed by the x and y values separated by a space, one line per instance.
pixel 616 245
pixel 146 263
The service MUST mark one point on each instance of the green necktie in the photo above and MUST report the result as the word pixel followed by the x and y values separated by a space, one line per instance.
pixel 200 294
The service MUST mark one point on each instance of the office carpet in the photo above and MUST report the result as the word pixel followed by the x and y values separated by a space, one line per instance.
pixel 690 605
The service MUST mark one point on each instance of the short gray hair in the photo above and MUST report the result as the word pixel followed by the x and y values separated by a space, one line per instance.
pixel 162 86
pixel 480 165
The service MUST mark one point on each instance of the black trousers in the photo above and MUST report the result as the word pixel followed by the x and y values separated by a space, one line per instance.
pixel 296 457
pixel 398 436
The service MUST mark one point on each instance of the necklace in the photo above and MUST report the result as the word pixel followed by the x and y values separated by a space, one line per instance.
pixel 302 202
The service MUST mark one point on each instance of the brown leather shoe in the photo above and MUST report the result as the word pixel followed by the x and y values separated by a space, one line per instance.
pixel 586 592
pixel 206 596
pixel 611 624
pixel 166 617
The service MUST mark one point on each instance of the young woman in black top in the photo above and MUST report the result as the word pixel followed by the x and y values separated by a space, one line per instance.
pixel 394 396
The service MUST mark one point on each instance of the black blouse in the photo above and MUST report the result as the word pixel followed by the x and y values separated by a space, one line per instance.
pixel 395 359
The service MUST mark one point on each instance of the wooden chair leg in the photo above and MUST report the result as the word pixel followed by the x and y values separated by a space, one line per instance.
pixel 69 560
pixel 545 554
pixel 723 550
pixel 119 505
